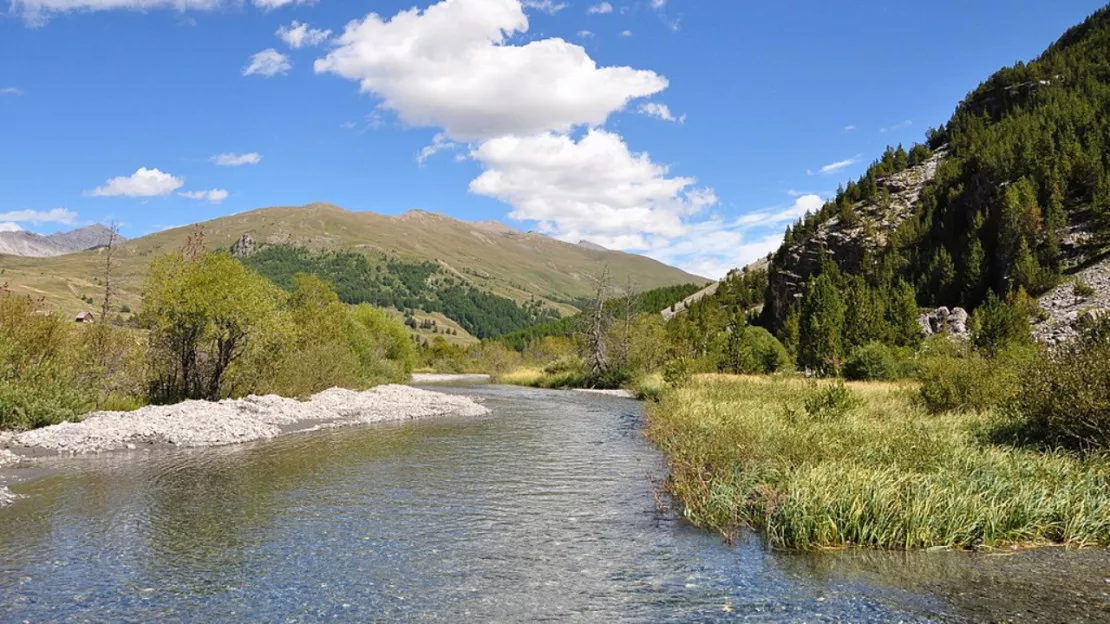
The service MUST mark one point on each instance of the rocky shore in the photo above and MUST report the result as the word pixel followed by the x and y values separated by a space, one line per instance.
pixel 232 421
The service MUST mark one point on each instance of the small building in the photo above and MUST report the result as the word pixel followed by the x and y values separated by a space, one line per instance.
pixel 85 317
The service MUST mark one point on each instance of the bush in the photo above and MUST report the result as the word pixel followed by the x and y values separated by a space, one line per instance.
pixel 831 402
pixel 754 351
pixel 970 381
pixel 676 372
pixel 998 324
pixel 1065 396
pixel 1082 290
pixel 650 387
pixel 873 361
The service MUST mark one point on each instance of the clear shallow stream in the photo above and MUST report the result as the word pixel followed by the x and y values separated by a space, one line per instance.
pixel 541 512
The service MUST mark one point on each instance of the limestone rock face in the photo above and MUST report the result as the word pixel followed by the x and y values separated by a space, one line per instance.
pixel 244 246
pixel 1069 305
pixel 850 244
pixel 944 321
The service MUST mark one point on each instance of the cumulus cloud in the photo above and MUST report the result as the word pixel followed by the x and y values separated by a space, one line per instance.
pixel 600 9
pixel 659 111
pixel 11 91
pixel 231 159
pixel 626 33
pixel 215 195
pixel 594 189
pixel 10 227
pixel 37 217
pixel 450 66
pixel 143 183
pixel 299 35
pixel 268 63
pixel 850 128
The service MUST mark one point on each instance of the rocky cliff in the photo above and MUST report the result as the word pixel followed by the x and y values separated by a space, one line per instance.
pixel 849 244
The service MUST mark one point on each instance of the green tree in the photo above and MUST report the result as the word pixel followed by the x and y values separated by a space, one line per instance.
pixel 820 345
pixel 206 313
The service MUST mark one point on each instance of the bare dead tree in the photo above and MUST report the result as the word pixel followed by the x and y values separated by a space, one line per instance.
pixel 595 333
pixel 109 252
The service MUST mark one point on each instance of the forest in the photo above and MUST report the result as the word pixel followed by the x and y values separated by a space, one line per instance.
pixel 404 286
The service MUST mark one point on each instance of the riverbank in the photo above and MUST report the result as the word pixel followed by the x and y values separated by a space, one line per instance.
pixel 827 465
pixel 232 421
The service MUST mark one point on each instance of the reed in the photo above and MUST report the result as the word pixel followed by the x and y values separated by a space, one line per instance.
pixel 877 471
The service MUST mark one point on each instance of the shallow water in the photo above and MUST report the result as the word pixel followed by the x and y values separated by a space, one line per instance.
pixel 543 511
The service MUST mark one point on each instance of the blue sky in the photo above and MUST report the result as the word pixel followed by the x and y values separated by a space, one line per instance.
pixel 688 131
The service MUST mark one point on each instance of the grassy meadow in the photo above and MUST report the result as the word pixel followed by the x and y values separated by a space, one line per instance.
pixel 827 465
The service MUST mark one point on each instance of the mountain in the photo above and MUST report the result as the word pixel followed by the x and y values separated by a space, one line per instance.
pixel 24 243
pixel 1011 197
pixel 460 256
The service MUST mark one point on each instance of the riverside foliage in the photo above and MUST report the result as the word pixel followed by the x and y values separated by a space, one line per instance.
pixel 818 465
pixel 209 329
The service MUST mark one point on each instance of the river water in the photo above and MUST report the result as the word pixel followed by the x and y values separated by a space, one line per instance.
pixel 543 511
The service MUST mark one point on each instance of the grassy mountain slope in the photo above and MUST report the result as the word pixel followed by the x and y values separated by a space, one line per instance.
pixel 492 257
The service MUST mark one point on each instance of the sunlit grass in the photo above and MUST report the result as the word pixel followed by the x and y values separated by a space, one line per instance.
pixel 745 452
pixel 521 377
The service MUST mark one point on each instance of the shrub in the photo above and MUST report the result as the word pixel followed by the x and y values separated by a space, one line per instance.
pixel 1065 396
pixel 997 323
pixel 125 309
pixel 676 372
pixel 831 402
pixel 970 381
pixel 754 351
pixel 1082 290
pixel 873 361
pixel 38 364
pixel 650 387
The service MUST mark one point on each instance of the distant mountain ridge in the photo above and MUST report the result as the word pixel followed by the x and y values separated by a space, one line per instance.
pixel 528 268
pixel 29 244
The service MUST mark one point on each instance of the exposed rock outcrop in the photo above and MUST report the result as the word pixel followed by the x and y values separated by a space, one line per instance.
pixel 944 321
pixel 848 244
pixel 244 246
pixel 1085 297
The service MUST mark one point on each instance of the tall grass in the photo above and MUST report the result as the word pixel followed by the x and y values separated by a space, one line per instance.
pixel 764 453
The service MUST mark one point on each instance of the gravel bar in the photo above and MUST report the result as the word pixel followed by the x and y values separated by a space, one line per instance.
pixel 234 421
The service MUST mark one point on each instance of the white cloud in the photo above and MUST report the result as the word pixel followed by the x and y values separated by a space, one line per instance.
pixel 659 111
pixel 898 126
pixel 143 183
pixel 215 195
pixel 299 35
pixel 850 128
pixel 600 9
pixel 269 63
pixel 37 217
pixel 39 11
pixel 626 33
pixel 658 4
pixel 547 6
pixel 231 159
pixel 11 91
pixel 10 227
pixel 270 5
pixel 450 66
pixel 832 168
pixel 440 142
pixel 594 189
pixel 585 34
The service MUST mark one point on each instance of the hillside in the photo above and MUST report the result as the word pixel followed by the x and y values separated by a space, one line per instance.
pixel 489 257
pixel 1012 194
pixel 24 243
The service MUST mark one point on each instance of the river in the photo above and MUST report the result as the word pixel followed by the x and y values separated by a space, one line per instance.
pixel 543 511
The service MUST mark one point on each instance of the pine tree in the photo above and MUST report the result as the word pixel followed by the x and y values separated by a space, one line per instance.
pixel 821 325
